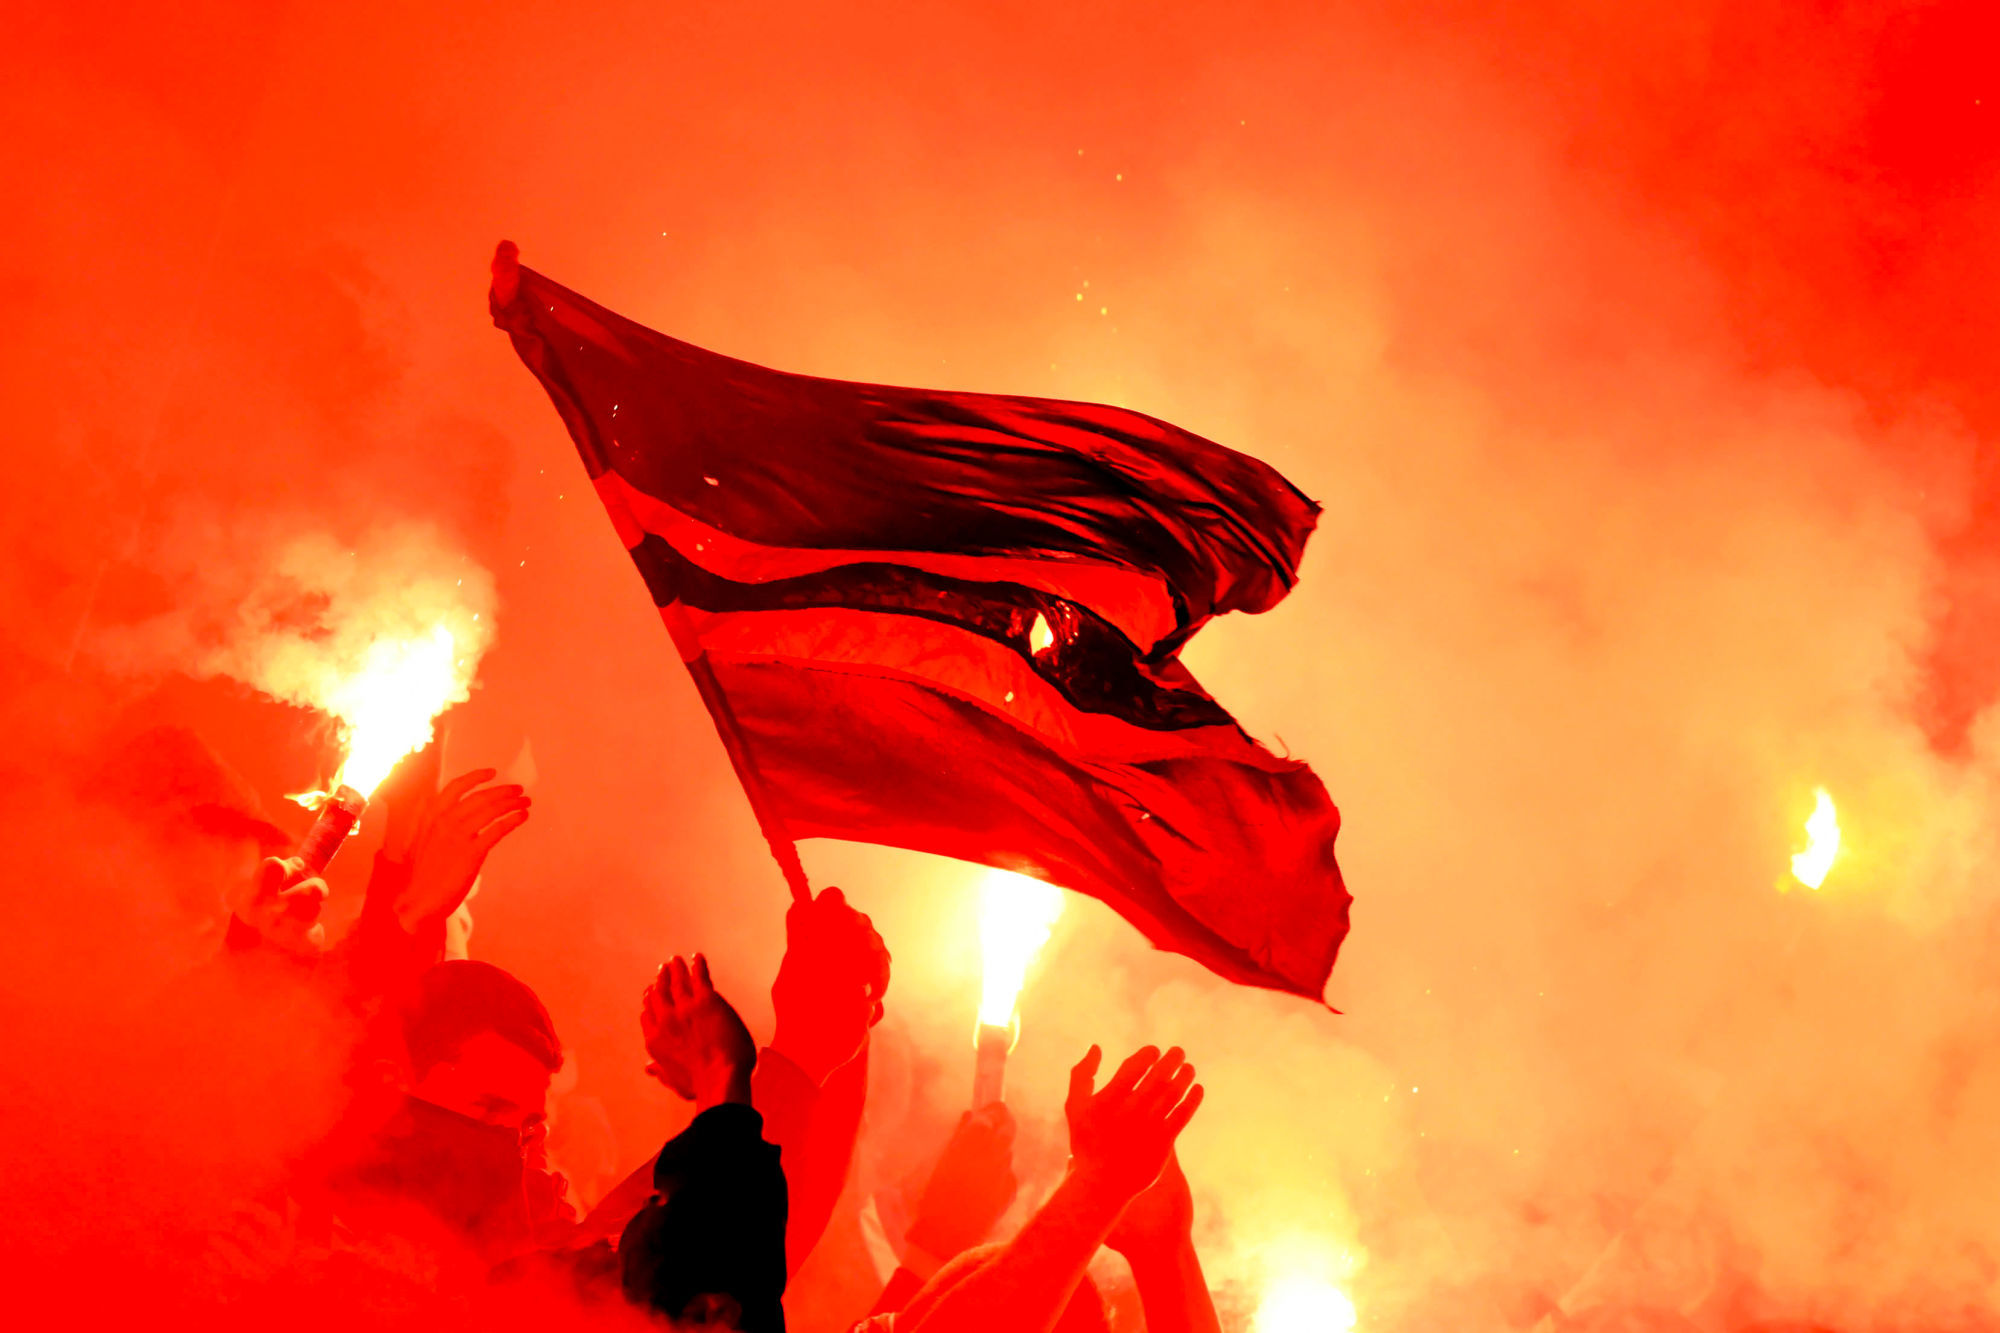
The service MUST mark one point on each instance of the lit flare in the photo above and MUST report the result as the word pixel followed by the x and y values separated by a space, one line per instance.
pixel 386 708
pixel 1301 1303
pixel 1810 866
pixel 1016 914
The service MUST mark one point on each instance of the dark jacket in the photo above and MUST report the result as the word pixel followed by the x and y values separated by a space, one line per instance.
pixel 715 1225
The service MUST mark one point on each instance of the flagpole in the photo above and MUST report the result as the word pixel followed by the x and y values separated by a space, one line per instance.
pixel 784 850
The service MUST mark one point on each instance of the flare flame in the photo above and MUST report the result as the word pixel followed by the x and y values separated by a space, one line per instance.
pixel 1016 914
pixel 1810 866
pixel 386 707
pixel 1299 1303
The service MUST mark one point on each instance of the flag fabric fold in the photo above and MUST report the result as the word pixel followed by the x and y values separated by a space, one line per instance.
pixel 950 622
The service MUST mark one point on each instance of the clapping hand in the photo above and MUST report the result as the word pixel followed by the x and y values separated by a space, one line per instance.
pixel 1122 1135
pixel 459 826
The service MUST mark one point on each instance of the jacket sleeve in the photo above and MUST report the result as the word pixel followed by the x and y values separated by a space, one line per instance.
pixel 715 1225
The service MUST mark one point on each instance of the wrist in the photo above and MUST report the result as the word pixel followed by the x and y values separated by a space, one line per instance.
pixel 1159 1253
pixel 817 1059
pixel 721 1082
pixel 1101 1186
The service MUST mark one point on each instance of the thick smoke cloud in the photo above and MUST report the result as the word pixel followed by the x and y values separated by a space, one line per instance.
pixel 1635 352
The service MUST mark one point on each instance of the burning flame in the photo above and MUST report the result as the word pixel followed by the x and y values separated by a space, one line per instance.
pixel 386 706
pixel 1302 1304
pixel 1016 914
pixel 1040 636
pixel 1809 867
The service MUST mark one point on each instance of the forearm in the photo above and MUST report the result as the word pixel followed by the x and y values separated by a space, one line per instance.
pixel 1025 1286
pixel 818 1171
pixel 1173 1290
pixel 384 955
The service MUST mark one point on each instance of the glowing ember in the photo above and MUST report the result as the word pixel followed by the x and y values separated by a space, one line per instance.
pixel 1300 1304
pixel 1809 867
pixel 1016 914
pixel 1040 636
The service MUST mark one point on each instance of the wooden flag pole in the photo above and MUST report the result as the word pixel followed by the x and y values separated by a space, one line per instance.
pixel 784 850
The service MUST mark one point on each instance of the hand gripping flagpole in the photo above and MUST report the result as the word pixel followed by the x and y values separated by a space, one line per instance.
pixel 784 850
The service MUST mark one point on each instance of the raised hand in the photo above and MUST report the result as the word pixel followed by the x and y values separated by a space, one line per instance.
pixel 461 824
pixel 830 985
pixel 697 1044
pixel 406 795
pixel 283 904
pixel 1161 1217
pixel 971 1185
pixel 1122 1134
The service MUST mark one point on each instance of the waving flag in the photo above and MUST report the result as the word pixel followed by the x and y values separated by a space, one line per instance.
pixel 950 622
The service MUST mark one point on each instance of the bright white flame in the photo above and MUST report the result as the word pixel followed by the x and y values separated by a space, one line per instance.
pixel 1809 867
pixel 386 708
pixel 1302 1304
pixel 1016 914
pixel 1040 636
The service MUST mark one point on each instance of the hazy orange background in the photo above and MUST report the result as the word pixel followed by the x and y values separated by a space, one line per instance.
pixel 1641 354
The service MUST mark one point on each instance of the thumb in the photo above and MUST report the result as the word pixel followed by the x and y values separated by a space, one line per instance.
pixel 1083 1078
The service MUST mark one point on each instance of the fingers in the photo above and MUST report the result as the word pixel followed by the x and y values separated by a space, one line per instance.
pixel 1129 1073
pixel 489 803
pixel 1154 1087
pixel 304 900
pixel 448 794
pixel 677 981
pixel 1001 1123
pixel 702 984
pixel 476 811
pixel 1172 1092
pixel 878 961
pixel 1178 1119
pixel 994 1118
pixel 1083 1076
pixel 490 837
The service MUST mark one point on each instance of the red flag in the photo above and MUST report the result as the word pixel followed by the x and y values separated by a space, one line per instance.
pixel 950 622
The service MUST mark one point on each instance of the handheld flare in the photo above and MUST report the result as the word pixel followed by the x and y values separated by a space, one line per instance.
pixel 1016 914
pixel 386 710
pixel 337 818
pixel 989 1067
